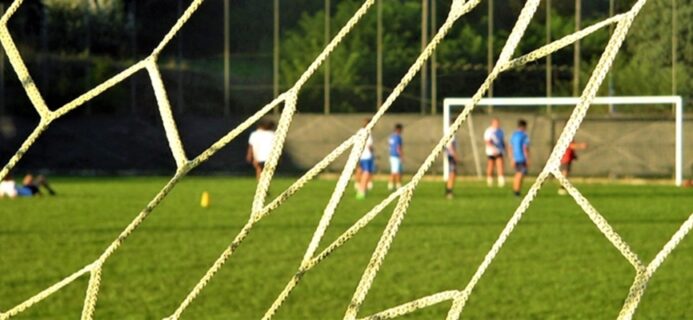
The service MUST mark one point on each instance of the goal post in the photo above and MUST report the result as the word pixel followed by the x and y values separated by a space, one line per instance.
pixel 449 104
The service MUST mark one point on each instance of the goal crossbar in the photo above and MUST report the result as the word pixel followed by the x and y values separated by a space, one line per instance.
pixel 677 101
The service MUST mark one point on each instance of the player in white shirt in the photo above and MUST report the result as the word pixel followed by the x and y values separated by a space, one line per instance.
pixel 260 145
pixel 494 139
pixel 453 160
pixel 366 167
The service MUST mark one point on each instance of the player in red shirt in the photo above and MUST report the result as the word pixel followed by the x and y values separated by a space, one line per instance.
pixel 567 160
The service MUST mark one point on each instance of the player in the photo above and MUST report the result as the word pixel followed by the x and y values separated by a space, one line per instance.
pixel 520 155
pixel 31 186
pixel 453 160
pixel 396 155
pixel 567 160
pixel 494 137
pixel 366 166
pixel 260 145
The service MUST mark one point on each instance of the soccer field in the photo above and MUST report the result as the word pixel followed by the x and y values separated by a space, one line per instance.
pixel 555 265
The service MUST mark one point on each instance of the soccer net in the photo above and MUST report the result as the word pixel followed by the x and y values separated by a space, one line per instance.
pixel 261 208
pixel 452 104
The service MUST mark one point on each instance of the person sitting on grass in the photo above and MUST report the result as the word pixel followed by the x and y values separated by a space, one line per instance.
pixel 31 186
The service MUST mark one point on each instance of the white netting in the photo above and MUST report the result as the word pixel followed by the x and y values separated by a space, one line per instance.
pixel 356 143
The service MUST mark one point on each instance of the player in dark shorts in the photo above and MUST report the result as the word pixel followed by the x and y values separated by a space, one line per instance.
pixel 520 153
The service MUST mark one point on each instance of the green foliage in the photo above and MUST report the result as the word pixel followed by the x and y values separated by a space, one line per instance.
pixel 647 67
pixel 94 26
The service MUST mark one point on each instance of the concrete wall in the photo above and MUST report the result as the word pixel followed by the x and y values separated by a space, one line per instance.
pixel 618 147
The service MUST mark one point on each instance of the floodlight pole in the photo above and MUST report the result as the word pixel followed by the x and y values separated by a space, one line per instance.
pixel 133 47
pixel 489 49
pixel 326 80
pixel 275 56
pixel 379 54
pixel 434 60
pixel 227 59
pixel 2 71
pixel 87 78
pixel 179 63
pixel 611 71
pixel 424 42
pixel 674 47
pixel 576 51
pixel 549 63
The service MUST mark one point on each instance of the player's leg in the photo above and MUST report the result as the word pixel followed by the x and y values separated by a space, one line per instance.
pixel 41 181
pixel 565 170
pixel 489 170
pixel 520 170
pixel 258 169
pixel 357 176
pixel 364 178
pixel 398 168
pixel 371 171
pixel 500 170
pixel 393 173
pixel 452 175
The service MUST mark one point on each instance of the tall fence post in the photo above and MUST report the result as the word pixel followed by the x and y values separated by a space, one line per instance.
pixel 179 64
pixel 326 79
pixel 227 59
pixel 379 53
pixel 549 62
pixel 674 48
pixel 576 50
pixel 275 53
pixel 2 71
pixel 434 60
pixel 133 48
pixel 489 49
pixel 424 42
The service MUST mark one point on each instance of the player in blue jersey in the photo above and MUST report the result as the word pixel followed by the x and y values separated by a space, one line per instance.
pixel 520 154
pixel 396 153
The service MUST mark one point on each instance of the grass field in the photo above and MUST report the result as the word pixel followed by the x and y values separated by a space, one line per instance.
pixel 556 265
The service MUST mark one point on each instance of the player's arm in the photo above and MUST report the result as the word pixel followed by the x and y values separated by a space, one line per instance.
pixel 249 154
pixel 400 150
pixel 525 148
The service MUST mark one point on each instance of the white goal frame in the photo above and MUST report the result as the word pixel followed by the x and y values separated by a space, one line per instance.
pixel 677 101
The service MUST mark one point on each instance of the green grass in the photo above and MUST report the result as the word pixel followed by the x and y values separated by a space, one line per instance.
pixel 556 265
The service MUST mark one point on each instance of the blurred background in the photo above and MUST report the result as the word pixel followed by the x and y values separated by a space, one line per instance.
pixel 235 56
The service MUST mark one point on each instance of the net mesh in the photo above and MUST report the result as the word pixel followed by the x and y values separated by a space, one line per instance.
pixel 261 208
